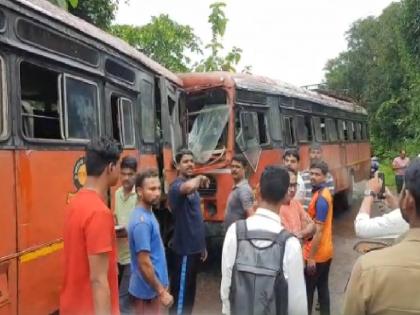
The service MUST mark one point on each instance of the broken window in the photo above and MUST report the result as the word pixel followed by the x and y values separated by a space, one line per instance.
pixel 304 128
pixel 344 130
pixel 147 113
pixel 248 138
pixel 122 120
pixel 274 121
pixel 289 131
pixel 358 131
pixel 332 129
pixel 40 102
pixel 262 128
pixel 81 100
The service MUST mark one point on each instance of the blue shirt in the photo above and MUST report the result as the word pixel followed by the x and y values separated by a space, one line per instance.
pixel 189 233
pixel 144 235
pixel 321 204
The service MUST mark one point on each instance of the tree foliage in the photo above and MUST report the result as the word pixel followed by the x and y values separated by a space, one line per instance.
pixel 178 48
pixel 164 40
pixel 65 3
pixel 215 61
pixel 381 70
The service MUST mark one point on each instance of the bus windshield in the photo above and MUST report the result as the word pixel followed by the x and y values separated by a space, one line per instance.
pixel 208 115
pixel 207 131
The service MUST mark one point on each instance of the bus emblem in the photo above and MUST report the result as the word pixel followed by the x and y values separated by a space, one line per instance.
pixel 79 173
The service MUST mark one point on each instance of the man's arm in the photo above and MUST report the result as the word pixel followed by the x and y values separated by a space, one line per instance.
pixel 98 266
pixel 99 241
pixel 193 184
pixel 354 299
pixel 293 270
pixel 390 224
pixel 246 198
pixel 308 225
pixel 148 272
pixel 228 260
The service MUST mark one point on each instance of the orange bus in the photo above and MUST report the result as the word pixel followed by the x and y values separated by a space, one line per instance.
pixel 62 82
pixel 228 113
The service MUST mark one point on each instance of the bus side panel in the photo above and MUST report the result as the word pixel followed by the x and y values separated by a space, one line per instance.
pixel 45 181
pixel 40 277
pixel 363 170
pixel 147 161
pixel 352 153
pixel 8 290
pixel 332 155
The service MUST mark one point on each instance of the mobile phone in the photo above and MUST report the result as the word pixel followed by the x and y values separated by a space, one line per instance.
pixel 381 176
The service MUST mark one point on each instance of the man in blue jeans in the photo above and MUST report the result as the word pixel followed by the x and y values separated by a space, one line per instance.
pixel 189 245
pixel 149 278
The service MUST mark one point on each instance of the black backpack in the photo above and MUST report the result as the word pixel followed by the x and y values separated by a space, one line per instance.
pixel 258 285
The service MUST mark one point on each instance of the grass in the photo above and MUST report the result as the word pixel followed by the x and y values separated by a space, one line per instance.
pixel 386 167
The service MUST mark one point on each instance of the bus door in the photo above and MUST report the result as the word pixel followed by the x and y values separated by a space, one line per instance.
pixel 8 248
pixel 57 113
pixel 121 106
pixel 171 127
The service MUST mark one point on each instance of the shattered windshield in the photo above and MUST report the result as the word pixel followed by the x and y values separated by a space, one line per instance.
pixel 207 129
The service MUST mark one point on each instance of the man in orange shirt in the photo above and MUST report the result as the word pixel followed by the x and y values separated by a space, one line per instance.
pixel 90 270
pixel 319 251
pixel 293 217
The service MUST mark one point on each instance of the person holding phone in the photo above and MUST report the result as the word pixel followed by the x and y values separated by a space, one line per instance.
pixel 389 225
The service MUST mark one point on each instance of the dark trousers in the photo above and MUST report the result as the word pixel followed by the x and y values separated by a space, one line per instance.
pixel 399 181
pixel 183 283
pixel 319 281
pixel 124 273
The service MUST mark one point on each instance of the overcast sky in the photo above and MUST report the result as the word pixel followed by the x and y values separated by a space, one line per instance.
pixel 289 40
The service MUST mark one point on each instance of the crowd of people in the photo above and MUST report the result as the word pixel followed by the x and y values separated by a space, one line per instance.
pixel 277 250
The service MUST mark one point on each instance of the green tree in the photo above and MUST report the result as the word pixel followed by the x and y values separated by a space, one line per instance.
pixel 64 3
pixel 215 61
pixel 164 40
pixel 98 12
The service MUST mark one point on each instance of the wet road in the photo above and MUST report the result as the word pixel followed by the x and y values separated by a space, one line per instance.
pixel 208 298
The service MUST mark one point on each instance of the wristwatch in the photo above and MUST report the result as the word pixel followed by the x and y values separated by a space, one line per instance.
pixel 369 192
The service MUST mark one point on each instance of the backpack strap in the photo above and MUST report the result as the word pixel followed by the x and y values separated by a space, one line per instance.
pixel 241 230
pixel 282 238
pixel 242 233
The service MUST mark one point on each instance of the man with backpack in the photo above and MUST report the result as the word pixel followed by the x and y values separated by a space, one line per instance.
pixel 262 265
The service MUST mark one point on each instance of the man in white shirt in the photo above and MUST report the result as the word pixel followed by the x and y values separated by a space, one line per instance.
pixel 389 225
pixel 291 160
pixel 273 185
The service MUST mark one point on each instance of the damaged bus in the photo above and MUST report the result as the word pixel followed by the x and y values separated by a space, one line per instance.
pixel 226 113
pixel 62 82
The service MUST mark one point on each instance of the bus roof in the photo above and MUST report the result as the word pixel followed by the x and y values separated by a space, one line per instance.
pixel 267 85
pixel 90 30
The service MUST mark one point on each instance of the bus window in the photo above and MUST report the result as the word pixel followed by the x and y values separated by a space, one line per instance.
pixel 147 113
pixel 351 131
pixel 81 103
pixel 304 128
pixel 345 130
pixel 40 102
pixel 289 131
pixel 331 129
pixel 122 120
pixel 3 119
pixel 247 136
pixel 364 131
pixel 320 129
pixel 274 122
pixel 358 131
pixel 262 128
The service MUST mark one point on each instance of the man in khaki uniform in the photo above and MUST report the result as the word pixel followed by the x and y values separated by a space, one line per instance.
pixel 125 202
pixel 386 281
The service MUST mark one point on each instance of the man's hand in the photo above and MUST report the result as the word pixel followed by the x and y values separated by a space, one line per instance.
pixel 166 299
pixel 310 267
pixel 375 184
pixel 204 255
pixel 390 200
pixel 204 181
